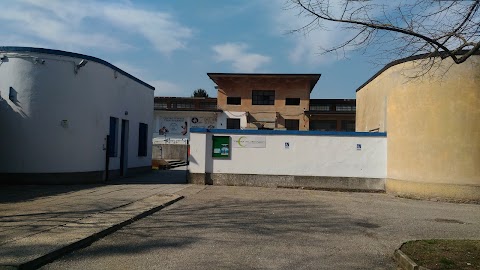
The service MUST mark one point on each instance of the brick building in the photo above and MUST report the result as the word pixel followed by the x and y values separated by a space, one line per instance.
pixel 265 101
pixel 254 101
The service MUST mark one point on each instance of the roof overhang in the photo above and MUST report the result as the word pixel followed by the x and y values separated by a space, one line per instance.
pixel 313 78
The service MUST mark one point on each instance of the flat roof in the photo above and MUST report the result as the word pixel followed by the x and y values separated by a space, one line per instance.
pixel 407 59
pixel 71 54
pixel 313 77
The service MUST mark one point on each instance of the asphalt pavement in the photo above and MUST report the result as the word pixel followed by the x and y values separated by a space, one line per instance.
pixel 267 228
pixel 38 223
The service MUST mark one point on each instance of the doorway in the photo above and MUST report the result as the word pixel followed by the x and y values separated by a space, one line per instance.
pixel 124 148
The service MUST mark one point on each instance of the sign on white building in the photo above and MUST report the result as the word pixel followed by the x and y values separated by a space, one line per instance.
pixel 249 142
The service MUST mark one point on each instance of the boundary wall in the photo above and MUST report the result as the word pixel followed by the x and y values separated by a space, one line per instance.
pixel 298 159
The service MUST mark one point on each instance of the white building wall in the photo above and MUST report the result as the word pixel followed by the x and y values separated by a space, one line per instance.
pixel 335 156
pixel 198 153
pixel 33 139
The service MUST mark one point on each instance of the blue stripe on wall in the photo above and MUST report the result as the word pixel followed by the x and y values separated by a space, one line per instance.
pixel 289 132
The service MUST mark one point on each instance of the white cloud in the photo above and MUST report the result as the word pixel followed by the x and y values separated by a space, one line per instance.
pixel 242 61
pixel 91 23
pixel 307 47
pixel 159 28
pixel 162 87
pixel 166 88
pixel 131 69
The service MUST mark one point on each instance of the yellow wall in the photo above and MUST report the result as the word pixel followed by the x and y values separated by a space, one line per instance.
pixel 432 125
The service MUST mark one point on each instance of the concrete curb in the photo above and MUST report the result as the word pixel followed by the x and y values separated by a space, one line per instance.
pixel 51 256
pixel 405 262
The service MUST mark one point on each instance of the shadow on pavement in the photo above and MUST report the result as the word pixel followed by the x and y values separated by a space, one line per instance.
pixel 271 229
pixel 22 193
pixel 176 176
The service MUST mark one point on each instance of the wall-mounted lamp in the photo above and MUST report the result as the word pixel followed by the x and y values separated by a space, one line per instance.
pixel 126 112
pixel 79 65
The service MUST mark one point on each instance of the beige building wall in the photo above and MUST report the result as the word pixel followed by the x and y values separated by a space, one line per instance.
pixel 432 125
pixel 284 88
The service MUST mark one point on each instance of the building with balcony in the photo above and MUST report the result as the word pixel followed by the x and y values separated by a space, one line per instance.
pixel 253 101
pixel 264 101
pixel 248 101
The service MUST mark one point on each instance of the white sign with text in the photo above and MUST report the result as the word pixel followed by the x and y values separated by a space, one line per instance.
pixel 249 142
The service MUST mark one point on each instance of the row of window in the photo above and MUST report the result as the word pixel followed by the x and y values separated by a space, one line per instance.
pixel 185 105
pixel 294 124
pixel 290 124
pixel 328 107
pixel 113 137
pixel 263 97
pixel 267 97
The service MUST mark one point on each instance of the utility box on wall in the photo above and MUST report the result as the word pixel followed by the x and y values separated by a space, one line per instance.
pixel 221 146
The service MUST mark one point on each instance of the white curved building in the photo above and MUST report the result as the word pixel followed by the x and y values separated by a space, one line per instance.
pixel 56 110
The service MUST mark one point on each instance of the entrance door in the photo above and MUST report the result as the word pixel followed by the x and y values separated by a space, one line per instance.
pixel 124 148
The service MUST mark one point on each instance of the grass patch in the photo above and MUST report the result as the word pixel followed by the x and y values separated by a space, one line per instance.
pixel 444 254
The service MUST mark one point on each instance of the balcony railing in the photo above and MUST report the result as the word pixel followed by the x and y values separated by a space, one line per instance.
pixel 332 108
pixel 187 106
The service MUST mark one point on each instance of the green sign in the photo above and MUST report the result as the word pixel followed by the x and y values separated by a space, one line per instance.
pixel 221 147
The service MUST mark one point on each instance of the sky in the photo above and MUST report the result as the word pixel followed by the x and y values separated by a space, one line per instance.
pixel 173 44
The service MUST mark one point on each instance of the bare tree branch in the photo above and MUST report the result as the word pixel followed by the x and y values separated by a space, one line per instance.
pixel 449 29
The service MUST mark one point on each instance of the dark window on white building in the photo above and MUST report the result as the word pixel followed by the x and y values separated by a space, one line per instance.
pixel 113 137
pixel 263 97
pixel 142 139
